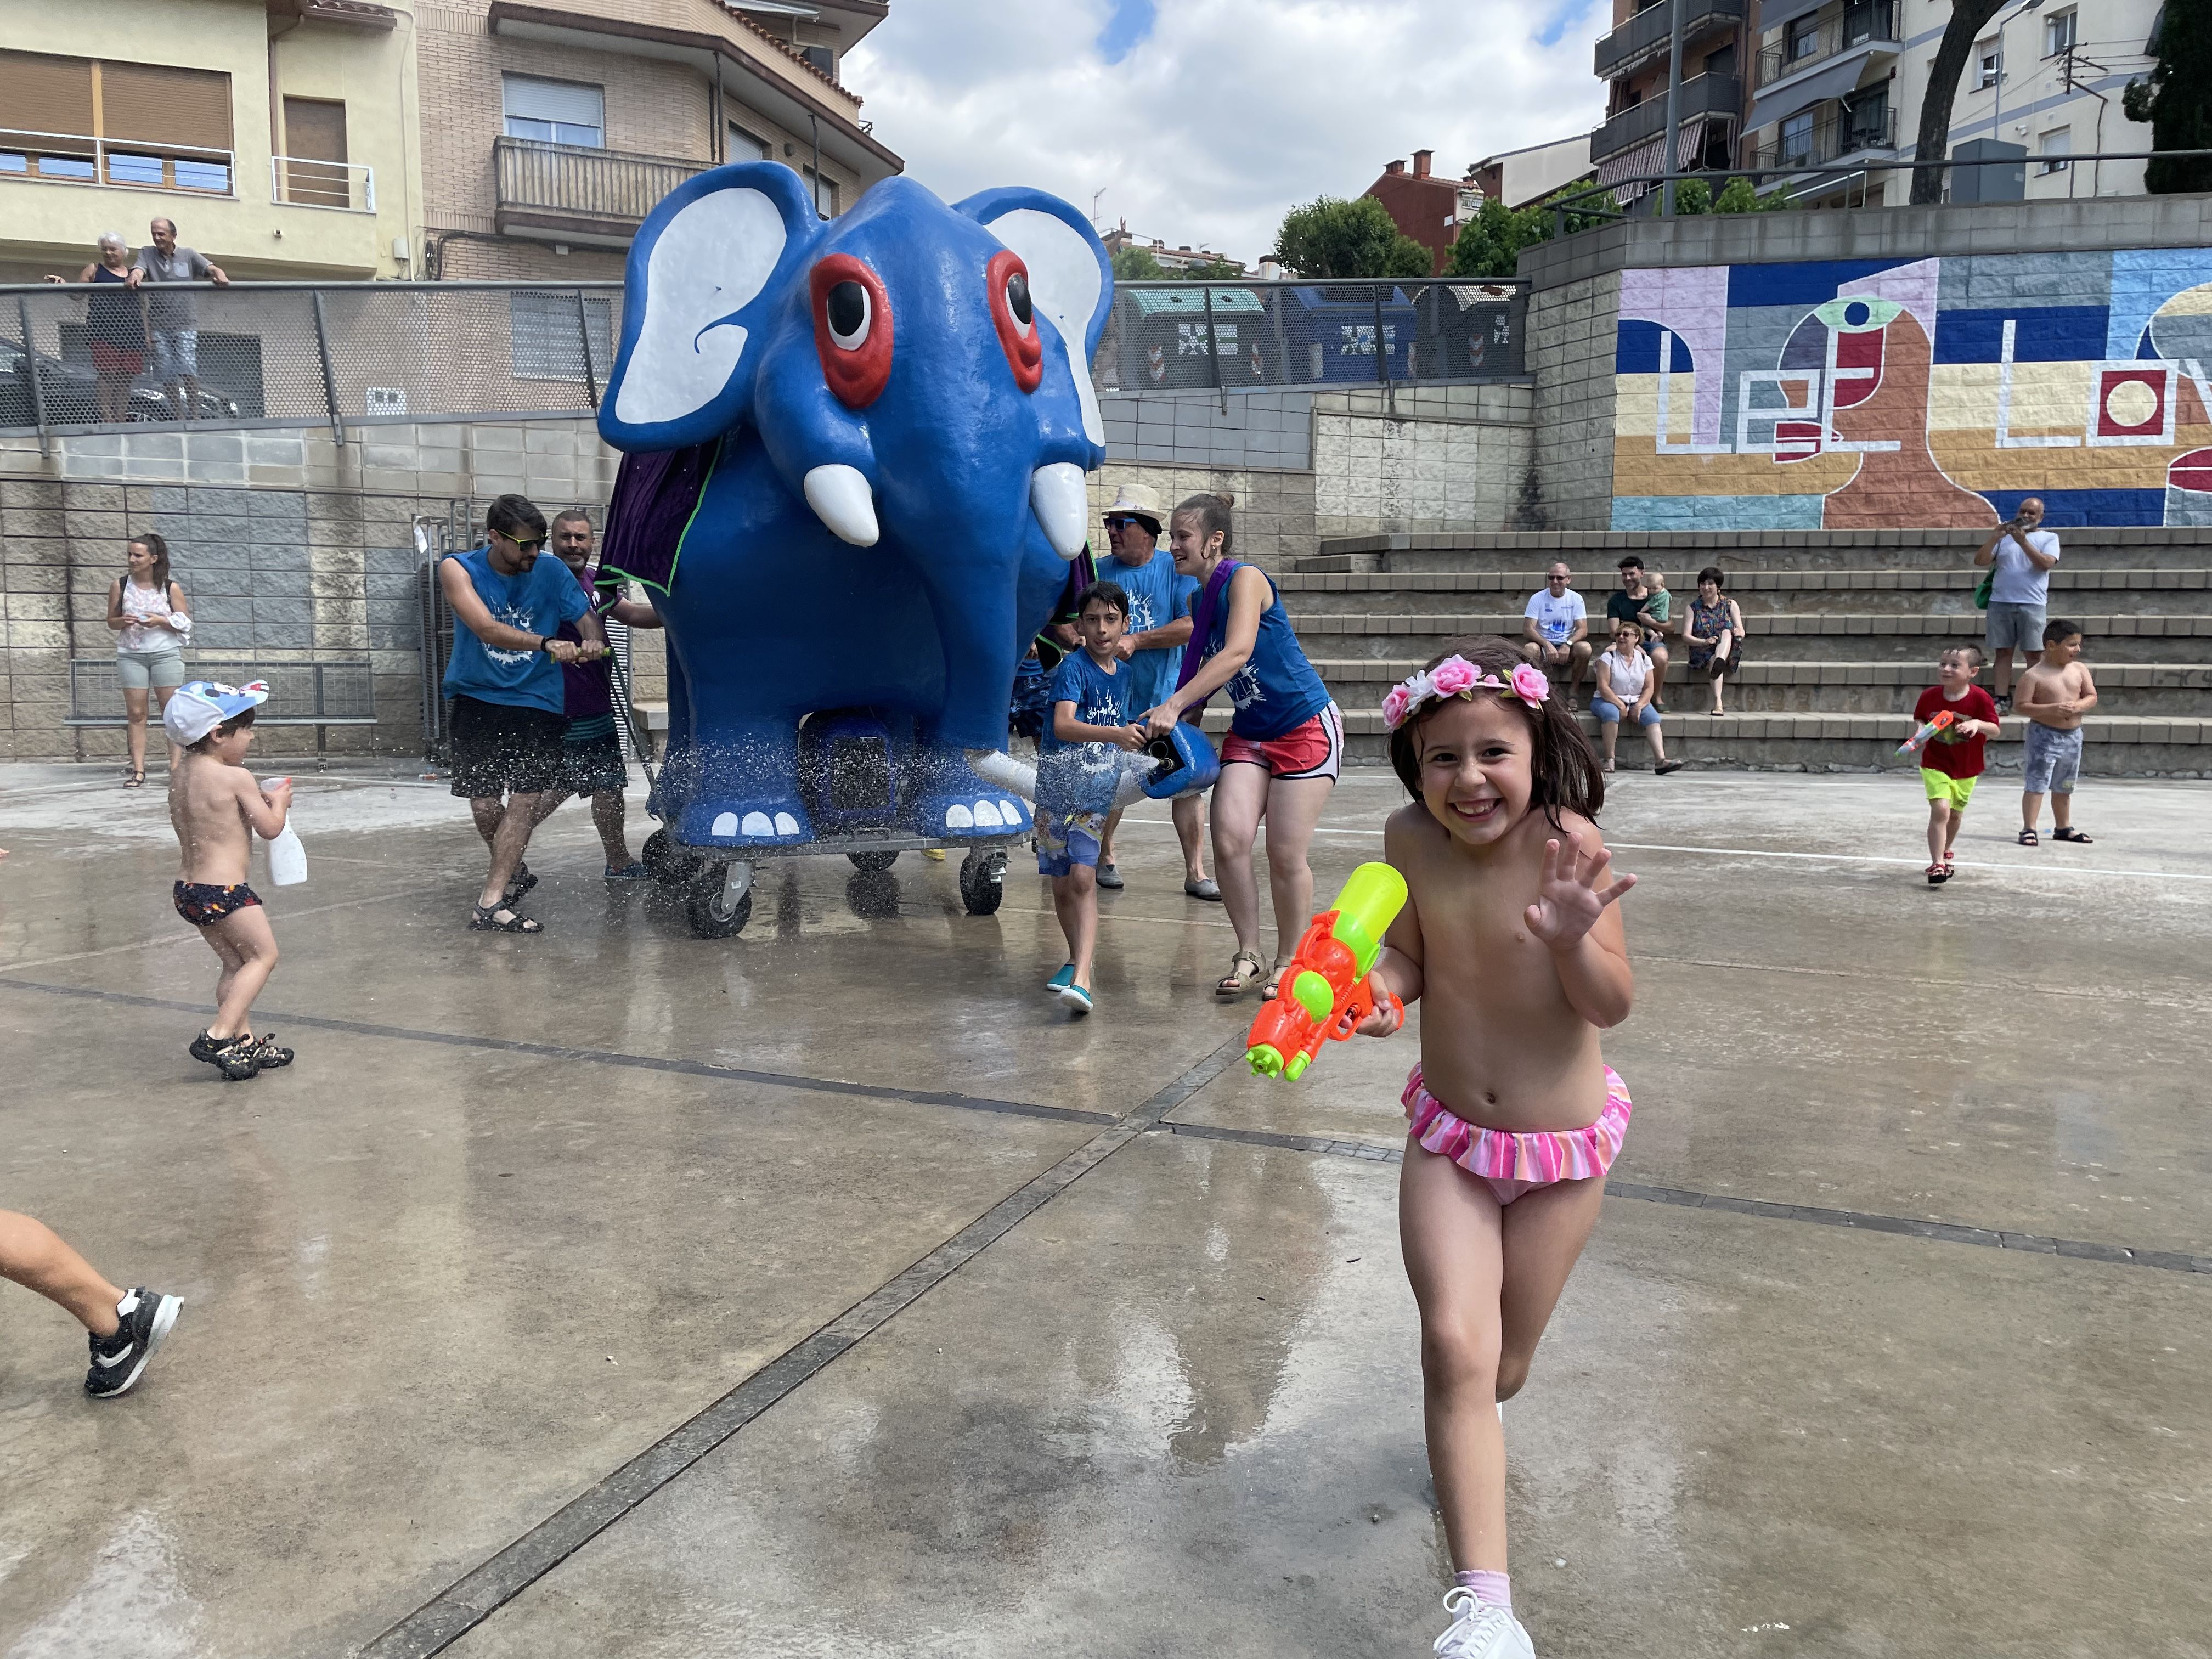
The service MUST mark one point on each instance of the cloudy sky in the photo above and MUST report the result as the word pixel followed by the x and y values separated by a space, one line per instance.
pixel 1203 120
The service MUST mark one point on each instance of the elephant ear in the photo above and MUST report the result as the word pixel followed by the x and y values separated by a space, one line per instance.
pixel 1071 279
pixel 708 269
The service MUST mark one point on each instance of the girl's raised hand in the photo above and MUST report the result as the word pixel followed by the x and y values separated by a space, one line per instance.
pixel 1568 899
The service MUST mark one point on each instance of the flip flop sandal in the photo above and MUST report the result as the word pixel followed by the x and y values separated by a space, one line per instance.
pixel 2028 838
pixel 1237 981
pixel 488 922
pixel 2070 834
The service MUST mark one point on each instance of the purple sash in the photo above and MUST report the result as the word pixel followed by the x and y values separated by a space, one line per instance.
pixel 1210 600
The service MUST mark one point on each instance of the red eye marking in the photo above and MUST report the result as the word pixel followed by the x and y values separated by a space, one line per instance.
pixel 851 329
pixel 1016 319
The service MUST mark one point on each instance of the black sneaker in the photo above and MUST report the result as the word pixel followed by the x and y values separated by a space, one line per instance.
pixel 148 1317
pixel 234 1057
pixel 205 1048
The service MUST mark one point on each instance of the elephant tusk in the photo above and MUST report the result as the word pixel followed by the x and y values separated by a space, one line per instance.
pixel 1062 504
pixel 996 766
pixel 840 499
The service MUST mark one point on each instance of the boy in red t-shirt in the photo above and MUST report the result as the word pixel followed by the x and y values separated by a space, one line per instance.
pixel 1952 761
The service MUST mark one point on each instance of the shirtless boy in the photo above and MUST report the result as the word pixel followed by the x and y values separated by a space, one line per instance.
pixel 2055 694
pixel 213 803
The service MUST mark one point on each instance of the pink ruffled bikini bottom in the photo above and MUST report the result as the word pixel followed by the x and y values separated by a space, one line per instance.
pixel 1513 1164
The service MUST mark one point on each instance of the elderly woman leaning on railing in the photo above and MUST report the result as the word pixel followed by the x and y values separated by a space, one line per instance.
pixel 117 324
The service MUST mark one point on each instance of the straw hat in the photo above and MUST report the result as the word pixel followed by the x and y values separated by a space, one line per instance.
pixel 1136 501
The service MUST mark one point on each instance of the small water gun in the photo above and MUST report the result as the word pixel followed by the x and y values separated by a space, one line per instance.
pixel 1944 721
pixel 1325 993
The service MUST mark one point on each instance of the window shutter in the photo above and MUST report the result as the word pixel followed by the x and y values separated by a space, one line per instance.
pixel 314 130
pixel 46 94
pixel 155 104
pixel 555 100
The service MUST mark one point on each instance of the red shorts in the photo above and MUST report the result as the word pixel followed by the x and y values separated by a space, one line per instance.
pixel 116 360
pixel 1313 749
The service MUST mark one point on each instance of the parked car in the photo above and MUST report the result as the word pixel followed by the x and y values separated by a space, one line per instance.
pixel 70 400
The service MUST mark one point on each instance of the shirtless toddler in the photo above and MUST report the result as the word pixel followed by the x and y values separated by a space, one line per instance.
pixel 215 808
pixel 2054 694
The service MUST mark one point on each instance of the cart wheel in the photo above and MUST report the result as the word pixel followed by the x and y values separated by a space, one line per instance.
pixel 872 862
pixel 669 864
pixel 708 908
pixel 983 880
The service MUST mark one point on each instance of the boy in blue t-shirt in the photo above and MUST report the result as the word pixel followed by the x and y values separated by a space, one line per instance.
pixel 1077 772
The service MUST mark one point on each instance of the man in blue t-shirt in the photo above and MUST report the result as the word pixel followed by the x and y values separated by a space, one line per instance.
pixel 1556 631
pixel 1080 767
pixel 504 681
pixel 1159 628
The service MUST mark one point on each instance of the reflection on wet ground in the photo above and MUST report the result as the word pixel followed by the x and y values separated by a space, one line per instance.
pixel 826 1290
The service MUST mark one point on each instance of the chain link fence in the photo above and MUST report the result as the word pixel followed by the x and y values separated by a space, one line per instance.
pixel 77 357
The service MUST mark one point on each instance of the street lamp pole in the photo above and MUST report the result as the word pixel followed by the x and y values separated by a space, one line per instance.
pixel 1674 105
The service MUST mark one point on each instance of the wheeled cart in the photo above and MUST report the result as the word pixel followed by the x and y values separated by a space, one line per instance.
pixel 717 884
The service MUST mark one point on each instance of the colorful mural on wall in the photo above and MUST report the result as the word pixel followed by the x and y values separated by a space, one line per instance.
pixel 1897 394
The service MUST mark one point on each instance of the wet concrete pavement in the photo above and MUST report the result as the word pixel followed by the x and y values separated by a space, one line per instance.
pixel 827 1290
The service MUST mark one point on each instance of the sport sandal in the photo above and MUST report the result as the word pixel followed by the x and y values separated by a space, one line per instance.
pixel 1237 980
pixel 487 920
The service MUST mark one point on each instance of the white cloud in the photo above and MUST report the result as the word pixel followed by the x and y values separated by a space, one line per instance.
pixel 1230 111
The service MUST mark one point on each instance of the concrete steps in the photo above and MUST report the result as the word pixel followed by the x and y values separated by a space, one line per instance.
pixel 1843 629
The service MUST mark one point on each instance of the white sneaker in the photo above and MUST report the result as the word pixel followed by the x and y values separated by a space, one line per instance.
pixel 1480 1631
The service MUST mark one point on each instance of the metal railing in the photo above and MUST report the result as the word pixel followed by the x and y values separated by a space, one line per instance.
pixel 297 181
pixel 1865 23
pixel 578 182
pixel 1229 336
pixel 1827 141
pixel 1644 36
pixel 339 354
pixel 76 158
pixel 1701 95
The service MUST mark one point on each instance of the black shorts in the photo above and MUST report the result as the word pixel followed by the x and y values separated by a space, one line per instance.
pixel 502 748
pixel 594 766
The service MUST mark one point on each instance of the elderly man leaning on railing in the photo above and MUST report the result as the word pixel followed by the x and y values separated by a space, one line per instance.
pixel 174 318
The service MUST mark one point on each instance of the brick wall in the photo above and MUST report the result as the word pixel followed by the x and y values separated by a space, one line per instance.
pixel 1571 354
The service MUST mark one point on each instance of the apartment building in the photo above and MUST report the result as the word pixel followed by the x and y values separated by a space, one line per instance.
pixel 1424 207
pixel 549 129
pixel 1632 59
pixel 1520 177
pixel 278 134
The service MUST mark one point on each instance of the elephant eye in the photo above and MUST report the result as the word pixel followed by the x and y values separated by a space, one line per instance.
pixel 1014 315
pixel 847 316
pixel 851 329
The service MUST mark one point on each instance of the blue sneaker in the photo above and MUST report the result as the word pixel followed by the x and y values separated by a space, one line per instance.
pixel 633 871
pixel 1060 980
pixel 1079 1000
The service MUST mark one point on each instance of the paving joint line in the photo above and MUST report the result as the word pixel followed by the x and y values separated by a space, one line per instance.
pixel 1942 1232
pixel 598 1057
pixel 477 1595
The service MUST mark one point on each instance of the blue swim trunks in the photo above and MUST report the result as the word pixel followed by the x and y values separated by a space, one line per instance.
pixel 1065 839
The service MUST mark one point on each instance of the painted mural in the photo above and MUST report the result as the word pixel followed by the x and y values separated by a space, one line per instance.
pixel 1908 394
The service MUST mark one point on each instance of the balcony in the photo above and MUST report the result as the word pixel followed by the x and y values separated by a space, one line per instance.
pixel 296 182
pixel 1864 28
pixel 1701 95
pixel 1644 37
pixel 1835 138
pixel 570 193
pixel 79 159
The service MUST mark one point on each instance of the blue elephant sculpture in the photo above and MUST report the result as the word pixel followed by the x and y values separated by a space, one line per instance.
pixel 854 460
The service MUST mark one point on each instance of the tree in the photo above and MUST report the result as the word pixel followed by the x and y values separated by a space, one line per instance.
pixel 1489 243
pixel 2177 100
pixel 1949 68
pixel 1741 195
pixel 1331 237
pixel 1134 265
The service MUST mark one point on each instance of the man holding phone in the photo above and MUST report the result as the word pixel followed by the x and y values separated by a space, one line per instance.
pixel 2022 555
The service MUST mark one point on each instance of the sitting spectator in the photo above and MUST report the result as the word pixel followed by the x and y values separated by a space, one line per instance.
pixel 1647 606
pixel 173 319
pixel 1715 633
pixel 1556 629
pixel 1627 678
pixel 116 324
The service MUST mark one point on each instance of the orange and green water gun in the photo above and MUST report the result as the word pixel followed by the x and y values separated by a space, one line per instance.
pixel 1944 721
pixel 1325 992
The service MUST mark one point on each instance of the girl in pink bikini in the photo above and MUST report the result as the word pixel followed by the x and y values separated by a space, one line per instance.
pixel 1511 933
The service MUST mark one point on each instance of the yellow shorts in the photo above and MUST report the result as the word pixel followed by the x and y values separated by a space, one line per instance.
pixel 1953 792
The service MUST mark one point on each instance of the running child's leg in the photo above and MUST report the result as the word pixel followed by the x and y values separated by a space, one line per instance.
pixel 1239 798
pixel 232 958
pixel 1075 896
pixel 1448 1230
pixel 1294 807
pixel 247 933
pixel 1951 831
pixel 1543 1232
pixel 35 1256
pixel 1939 825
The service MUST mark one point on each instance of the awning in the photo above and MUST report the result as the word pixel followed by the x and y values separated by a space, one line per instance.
pixel 1651 157
pixel 1783 102
pixel 1644 158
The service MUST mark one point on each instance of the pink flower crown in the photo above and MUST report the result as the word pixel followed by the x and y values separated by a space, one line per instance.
pixel 1456 677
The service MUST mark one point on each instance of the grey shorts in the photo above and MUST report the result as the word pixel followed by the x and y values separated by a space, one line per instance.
pixel 176 355
pixel 2015 627
pixel 136 670
pixel 2051 760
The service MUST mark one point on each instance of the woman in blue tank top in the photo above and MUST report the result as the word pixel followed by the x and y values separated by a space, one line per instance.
pixel 1285 741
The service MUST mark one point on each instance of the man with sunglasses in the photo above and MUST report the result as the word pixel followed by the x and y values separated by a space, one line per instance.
pixel 504 681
